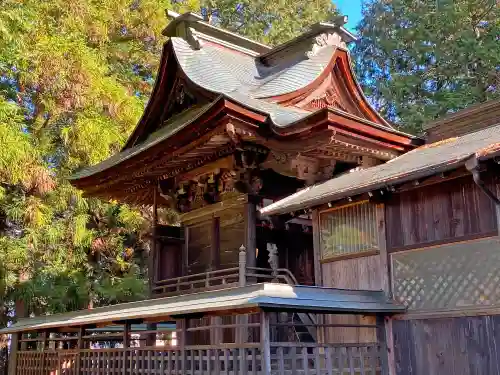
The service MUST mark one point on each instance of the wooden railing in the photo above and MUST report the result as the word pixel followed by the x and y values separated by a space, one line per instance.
pixel 226 278
pixel 231 359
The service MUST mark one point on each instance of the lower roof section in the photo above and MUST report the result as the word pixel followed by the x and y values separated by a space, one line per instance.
pixel 425 161
pixel 266 296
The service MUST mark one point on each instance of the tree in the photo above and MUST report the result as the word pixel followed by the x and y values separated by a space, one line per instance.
pixel 419 60
pixel 269 22
pixel 74 79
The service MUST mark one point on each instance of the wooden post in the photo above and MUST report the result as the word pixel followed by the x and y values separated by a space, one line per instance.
pixel 318 279
pixel 250 233
pixel 182 325
pixel 273 259
pixel 153 271
pixel 382 341
pixel 79 347
pixel 265 343
pixel 497 208
pixel 126 346
pixel 242 262
pixel 14 347
pixel 382 245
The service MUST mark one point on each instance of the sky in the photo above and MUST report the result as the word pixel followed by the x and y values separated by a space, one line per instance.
pixel 352 9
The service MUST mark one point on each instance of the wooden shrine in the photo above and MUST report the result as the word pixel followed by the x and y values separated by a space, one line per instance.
pixel 232 126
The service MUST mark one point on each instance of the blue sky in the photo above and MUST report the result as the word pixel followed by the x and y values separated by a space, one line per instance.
pixel 352 9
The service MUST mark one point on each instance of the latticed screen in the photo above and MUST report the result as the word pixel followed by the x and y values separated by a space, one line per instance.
pixel 348 230
pixel 453 276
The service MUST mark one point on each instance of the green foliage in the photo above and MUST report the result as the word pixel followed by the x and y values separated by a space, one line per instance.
pixel 419 60
pixel 74 80
pixel 280 20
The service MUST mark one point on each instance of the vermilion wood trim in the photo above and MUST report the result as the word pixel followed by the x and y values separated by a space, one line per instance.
pixel 355 90
pixel 166 52
pixel 447 241
pixel 244 111
pixel 369 140
pixel 362 254
pixel 360 127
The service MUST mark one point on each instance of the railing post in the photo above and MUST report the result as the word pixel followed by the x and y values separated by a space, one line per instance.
pixel 265 343
pixel 243 265
pixel 14 347
pixel 273 259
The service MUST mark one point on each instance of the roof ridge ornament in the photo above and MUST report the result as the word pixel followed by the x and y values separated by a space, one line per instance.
pixel 323 40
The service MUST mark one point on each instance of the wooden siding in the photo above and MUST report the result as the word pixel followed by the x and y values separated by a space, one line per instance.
pixel 357 273
pixel 456 346
pixel 450 211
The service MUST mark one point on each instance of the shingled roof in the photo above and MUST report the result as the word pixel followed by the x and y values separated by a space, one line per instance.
pixel 422 162
pixel 286 94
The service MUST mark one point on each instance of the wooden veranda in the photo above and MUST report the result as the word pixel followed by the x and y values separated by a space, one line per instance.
pixel 262 336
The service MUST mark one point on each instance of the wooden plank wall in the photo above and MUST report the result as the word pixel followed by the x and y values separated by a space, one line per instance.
pixel 447 346
pixel 453 210
pixel 355 273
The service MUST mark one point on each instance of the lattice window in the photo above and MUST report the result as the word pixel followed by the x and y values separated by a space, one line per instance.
pixel 453 276
pixel 348 230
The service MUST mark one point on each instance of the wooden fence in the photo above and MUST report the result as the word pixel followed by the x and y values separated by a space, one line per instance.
pixel 240 359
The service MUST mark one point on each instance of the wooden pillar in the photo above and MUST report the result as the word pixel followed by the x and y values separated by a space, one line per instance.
pixel 318 277
pixel 250 233
pixel 14 347
pixel 385 272
pixel 265 343
pixel 182 340
pixel 497 207
pixel 382 341
pixel 153 271
pixel 79 346
pixel 242 263
pixel 126 345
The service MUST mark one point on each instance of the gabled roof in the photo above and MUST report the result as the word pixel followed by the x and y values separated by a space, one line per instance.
pixel 252 74
pixel 259 296
pixel 422 162
pixel 290 93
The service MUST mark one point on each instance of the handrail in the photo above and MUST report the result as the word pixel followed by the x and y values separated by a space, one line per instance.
pixel 202 274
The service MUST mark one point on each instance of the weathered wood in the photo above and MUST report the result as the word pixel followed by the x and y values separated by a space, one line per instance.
pixel 265 343
pixel 438 214
pixel 202 214
pixel 382 341
pixel 382 245
pixel 317 248
pixel 250 233
pixel 14 348
pixel 456 276
pixel 457 346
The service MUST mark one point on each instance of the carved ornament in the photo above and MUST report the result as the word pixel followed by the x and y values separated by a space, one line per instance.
pixel 323 40
pixel 330 99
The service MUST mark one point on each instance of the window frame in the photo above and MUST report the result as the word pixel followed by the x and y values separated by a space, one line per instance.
pixel 358 254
